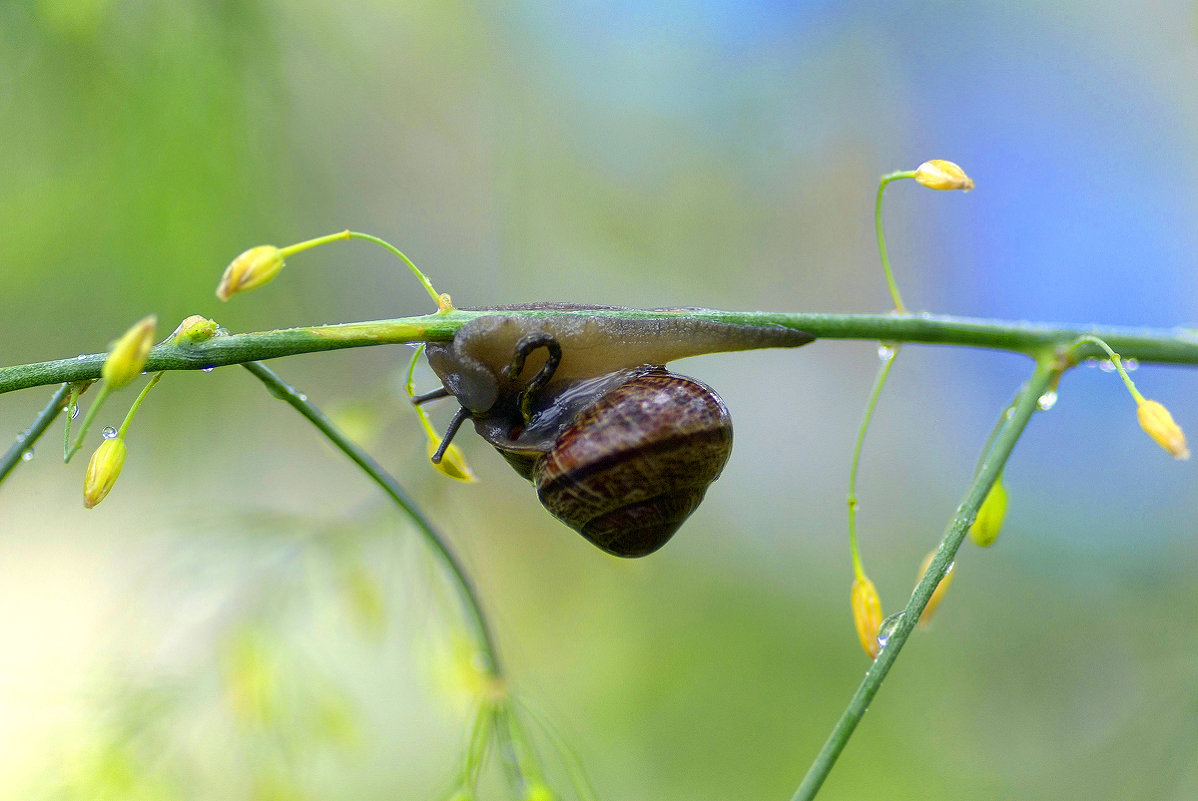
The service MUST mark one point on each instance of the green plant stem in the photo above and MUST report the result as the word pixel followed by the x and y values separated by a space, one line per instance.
pixel 875 393
pixel 26 439
pixel 1115 360
pixel 1047 370
pixel 92 411
pixel 141 396
pixel 1177 346
pixel 289 395
pixel 882 184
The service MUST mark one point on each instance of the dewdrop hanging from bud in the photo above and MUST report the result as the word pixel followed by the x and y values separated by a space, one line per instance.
pixel 255 267
pixel 103 470
pixel 867 614
pixel 1158 423
pixel 993 510
pixel 128 356
pixel 943 175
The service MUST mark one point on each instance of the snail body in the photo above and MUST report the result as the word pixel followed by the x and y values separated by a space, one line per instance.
pixel 618 448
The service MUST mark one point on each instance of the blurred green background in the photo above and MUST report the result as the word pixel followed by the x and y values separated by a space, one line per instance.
pixel 244 617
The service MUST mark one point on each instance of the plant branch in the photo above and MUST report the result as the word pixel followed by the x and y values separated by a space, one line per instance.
pixel 1047 370
pixel 289 395
pixel 25 440
pixel 1176 345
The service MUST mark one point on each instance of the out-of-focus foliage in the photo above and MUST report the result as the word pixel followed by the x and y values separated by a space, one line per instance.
pixel 243 616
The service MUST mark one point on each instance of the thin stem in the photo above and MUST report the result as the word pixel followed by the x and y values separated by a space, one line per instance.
pixel 882 184
pixel 410 387
pixel 1115 360
pixel 341 236
pixel 875 393
pixel 1047 369
pixel 420 276
pixel 288 394
pixel 308 244
pixel 1175 346
pixel 141 396
pixel 578 776
pixel 26 439
pixel 71 404
pixel 92 411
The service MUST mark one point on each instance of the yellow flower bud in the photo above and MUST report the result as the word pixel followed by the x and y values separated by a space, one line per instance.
pixel 938 594
pixel 128 356
pixel 195 328
pixel 453 461
pixel 1158 423
pixel 102 470
pixel 867 614
pixel 987 524
pixel 943 175
pixel 255 267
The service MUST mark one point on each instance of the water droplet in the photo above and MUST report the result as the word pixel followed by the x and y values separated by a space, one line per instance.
pixel 1008 414
pixel 21 437
pixel 1047 400
pixel 81 356
pixel 1130 365
pixel 303 398
pixel 885 352
pixel 108 433
pixel 207 369
pixel 27 456
pixel 74 411
pixel 889 624
pixel 222 331
pixel 1106 366
pixel 1091 362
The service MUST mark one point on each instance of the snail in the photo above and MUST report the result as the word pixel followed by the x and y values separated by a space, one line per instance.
pixel 619 448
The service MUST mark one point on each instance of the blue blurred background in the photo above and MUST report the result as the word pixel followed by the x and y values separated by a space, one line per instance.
pixel 245 618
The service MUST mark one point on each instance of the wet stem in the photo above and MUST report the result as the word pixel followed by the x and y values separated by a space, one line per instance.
pixel 1047 371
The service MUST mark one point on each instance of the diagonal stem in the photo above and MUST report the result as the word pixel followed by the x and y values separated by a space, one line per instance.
pixel 289 395
pixel 14 455
pixel 1047 369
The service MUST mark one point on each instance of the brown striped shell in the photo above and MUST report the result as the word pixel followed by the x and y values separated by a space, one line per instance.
pixel 631 468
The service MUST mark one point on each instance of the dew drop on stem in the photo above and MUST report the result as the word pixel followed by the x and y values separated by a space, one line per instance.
pixel 1106 366
pixel 27 456
pixel 108 433
pixel 1047 400
pixel 885 352
pixel 886 629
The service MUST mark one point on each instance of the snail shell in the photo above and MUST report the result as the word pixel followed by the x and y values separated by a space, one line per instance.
pixel 630 468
